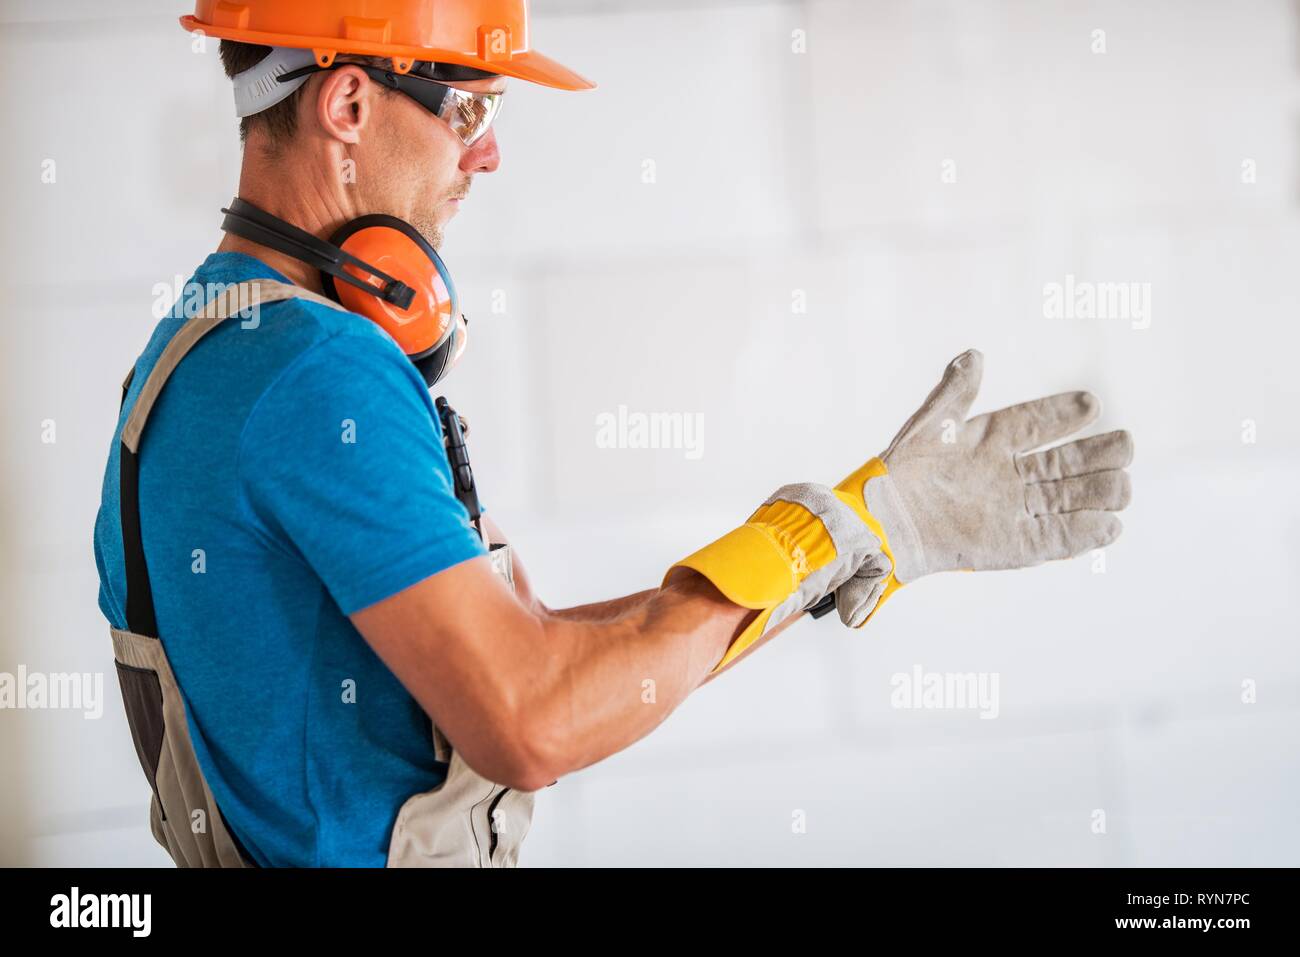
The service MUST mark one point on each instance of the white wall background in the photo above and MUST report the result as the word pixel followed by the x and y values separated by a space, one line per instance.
pixel 775 171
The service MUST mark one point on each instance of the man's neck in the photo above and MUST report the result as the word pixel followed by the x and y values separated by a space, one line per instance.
pixel 310 209
pixel 297 272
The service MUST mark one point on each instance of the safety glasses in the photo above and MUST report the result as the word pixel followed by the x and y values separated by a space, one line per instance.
pixel 469 115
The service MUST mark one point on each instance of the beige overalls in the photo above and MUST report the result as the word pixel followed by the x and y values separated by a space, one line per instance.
pixel 467 821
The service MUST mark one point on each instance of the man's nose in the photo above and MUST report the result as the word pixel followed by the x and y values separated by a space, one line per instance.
pixel 483 156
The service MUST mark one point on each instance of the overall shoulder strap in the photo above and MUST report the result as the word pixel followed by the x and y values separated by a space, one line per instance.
pixel 235 299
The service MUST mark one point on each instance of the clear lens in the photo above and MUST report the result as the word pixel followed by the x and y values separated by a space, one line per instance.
pixel 470 115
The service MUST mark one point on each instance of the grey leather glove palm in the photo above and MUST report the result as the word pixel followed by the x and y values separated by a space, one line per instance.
pixel 955 493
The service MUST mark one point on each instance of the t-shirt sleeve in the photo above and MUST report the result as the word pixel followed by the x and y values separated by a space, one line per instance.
pixel 342 460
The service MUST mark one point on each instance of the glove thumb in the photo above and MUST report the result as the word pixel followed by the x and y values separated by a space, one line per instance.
pixel 950 399
pixel 857 598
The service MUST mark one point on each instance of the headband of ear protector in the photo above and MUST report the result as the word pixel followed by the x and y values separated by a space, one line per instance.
pixel 379 267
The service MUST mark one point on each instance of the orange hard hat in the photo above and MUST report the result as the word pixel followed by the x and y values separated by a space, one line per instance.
pixel 489 35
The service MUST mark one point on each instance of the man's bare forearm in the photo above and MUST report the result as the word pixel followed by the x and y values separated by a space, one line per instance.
pixel 610 682
pixel 608 611
pixel 604 611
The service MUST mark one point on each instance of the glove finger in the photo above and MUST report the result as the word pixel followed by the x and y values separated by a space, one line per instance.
pixel 1057 536
pixel 1097 453
pixel 1106 491
pixel 950 399
pixel 1040 422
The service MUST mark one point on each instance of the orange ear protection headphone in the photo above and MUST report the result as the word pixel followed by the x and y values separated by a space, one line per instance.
pixel 379 267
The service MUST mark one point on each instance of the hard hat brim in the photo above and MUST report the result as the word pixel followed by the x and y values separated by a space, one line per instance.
pixel 528 65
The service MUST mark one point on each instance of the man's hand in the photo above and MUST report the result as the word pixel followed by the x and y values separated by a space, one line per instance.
pixel 956 493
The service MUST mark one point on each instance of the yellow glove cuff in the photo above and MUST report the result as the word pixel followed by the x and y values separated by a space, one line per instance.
pixel 762 563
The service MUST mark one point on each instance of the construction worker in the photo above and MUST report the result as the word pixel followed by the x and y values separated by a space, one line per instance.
pixel 328 655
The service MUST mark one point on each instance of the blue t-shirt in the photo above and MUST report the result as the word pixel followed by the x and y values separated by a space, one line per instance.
pixel 291 474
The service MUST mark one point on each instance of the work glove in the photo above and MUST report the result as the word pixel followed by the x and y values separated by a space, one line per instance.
pixel 955 493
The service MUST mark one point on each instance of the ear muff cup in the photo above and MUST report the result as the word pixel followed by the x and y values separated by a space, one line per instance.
pixel 440 360
pixel 431 330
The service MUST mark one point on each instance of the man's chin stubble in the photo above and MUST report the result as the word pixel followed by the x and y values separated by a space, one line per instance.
pixel 431 231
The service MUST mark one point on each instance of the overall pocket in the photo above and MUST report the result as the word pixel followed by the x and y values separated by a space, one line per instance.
pixel 142 695
pixel 467 821
pixel 183 815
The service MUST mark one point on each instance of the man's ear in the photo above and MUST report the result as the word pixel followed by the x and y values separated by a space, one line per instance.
pixel 344 102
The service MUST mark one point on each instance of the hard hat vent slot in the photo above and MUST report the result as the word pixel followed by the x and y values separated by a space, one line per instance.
pixel 369 29
pixel 228 14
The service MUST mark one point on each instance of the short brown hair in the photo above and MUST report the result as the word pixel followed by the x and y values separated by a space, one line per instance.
pixel 280 121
